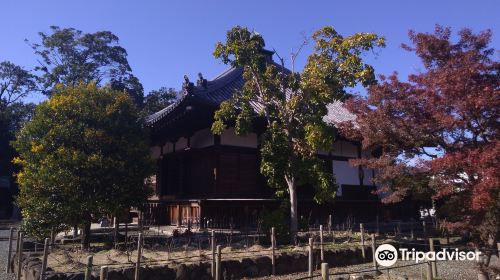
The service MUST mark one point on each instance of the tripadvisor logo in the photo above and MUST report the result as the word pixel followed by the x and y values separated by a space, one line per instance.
pixel 387 255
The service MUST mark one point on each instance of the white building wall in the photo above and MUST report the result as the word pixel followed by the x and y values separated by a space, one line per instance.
pixel 346 174
pixel 181 144
pixel 230 138
pixel 202 138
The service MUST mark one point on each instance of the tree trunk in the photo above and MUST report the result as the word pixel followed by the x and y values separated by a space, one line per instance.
pixel 292 189
pixel 86 236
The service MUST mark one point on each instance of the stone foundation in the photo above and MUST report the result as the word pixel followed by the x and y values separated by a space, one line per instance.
pixel 232 269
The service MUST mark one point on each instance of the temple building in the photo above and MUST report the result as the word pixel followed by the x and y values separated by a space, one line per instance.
pixel 206 179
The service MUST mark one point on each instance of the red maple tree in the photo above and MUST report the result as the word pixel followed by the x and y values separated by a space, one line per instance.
pixel 437 132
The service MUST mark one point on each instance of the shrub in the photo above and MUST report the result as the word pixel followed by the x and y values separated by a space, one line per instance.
pixel 279 220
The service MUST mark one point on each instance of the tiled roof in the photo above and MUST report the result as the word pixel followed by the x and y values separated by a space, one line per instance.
pixel 223 87
pixel 338 113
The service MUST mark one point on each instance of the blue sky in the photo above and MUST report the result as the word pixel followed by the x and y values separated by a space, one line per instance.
pixel 167 39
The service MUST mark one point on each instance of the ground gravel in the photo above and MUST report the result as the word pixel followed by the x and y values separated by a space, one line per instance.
pixel 4 246
pixel 447 270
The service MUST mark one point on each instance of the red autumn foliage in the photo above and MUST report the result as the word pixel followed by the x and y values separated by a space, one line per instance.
pixel 437 132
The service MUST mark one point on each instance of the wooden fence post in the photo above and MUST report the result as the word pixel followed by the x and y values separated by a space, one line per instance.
pixel 310 264
pixel 321 246
pixel 218 268
pixel 104 273
pixel 44 260
pixel 482 276
pixel 139 255
pixel 429 271
pixel 126 236
pixel 88 270
pixel 362 230
pixel 433 263
pixel 9 253
pixel 139 221
pixel 374 247
pixel 52 238
pixel 325 273
pixel 330 224
pixel 213 254
pixel 273 248
pixel 115 232
pixel 17 240
pixel 19 255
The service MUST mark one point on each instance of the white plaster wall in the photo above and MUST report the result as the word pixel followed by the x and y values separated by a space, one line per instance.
pixel 345 174
pixel 229 138
pixel 181 144
pixel 202 138
pixel 168 148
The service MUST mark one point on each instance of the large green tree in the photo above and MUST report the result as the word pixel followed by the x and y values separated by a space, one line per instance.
pixel 84 154
pixel 158 99
pixel 69 57
pixel 293 104
pixel 15 84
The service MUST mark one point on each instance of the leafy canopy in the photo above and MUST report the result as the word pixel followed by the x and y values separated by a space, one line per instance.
pixel 69 57
pixel 293 104
pixel 158 99
pixel 446 116
pixel 15 83
pixel 83 154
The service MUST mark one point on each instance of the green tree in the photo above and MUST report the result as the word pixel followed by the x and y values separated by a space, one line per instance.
pixel 158 99
pixel 69 57
pixel 84 154
pixel 293 105
pixel 15 84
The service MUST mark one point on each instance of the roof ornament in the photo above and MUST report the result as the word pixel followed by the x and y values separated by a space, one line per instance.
pixel 202 82
pixel 187 84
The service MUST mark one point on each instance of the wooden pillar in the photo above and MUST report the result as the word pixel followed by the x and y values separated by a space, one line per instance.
pixel 88 270
pixel 212 242
pixel 374 247
pixel 273 248
pixel 321 246
pixel 218 268
pixel 310 259
pixel 433 263
pixel 190 217
pixel 362 232
pixel 139 256
pixel 103 275
pixel 325 275
pixel 179 215
pixel 19 255
pixel 44 259
pixel 9 252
